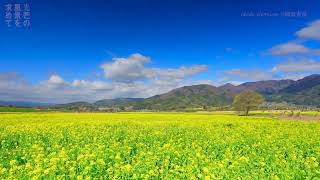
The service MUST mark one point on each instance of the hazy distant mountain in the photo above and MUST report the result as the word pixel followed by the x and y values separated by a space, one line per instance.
pixel 117 101
pixel 73 104
pixel 302 92
pixel 303 84
pixel 264 87
pixel 187 97
pixel 23 104
pixel 309 97
pixel 228 88
pixel 305 91
pixel 112 103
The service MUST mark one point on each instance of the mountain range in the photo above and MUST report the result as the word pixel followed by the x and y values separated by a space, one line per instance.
pixel 305 92
pixel 24 104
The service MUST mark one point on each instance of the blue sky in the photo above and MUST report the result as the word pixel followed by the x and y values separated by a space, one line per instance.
pixel 185 42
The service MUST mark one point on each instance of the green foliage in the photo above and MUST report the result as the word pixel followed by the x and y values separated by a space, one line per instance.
pixel 15 109
pixel 25 109
pixel 246 101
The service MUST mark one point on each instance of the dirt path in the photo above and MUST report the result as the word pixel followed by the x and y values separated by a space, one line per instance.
pixel 299 118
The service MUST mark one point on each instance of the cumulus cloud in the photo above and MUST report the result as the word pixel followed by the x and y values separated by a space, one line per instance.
pixel 290 69
pixel 246 75
pixel 127 69
pixel 13 86
pixel 132 69
pixel 290 48
pixel 294 76
pixel 125 77
pixel 179 73
pixel 304 65
pixel 93 85
pixel 55 79
pixel 298 68
pixel 10 80
pixel 8 76
pixel 54 82
pixel 312 31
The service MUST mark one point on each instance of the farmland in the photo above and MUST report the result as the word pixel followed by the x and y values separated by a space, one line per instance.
pixel 15 109
pixel 157 145
pixel 23 109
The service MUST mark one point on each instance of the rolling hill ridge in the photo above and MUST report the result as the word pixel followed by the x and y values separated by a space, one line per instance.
pixel 305 92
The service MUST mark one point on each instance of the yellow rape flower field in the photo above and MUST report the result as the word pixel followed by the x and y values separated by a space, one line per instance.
pixel 156 146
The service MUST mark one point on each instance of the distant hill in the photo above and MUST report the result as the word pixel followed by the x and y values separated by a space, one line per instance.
pixel 73 104
pixel 23 104
pixel 305 92
pixel 117 101
pixel 308 97
pixel 264 87
pixel 303 84
pixel 187 97
pixel 302 92
pixel 111 103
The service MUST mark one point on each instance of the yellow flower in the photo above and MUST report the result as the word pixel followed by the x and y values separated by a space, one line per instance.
pixel 243 158
pixel 3 170
pixel 205 170
pixel 128 168
pixel 118 157
pixel 101 162
pixel 13 162
pixel 165 146
pixel 151 172
pixel 275 177
pixel 46 172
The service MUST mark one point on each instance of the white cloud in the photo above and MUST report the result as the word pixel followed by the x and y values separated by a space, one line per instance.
pixel 127 69
pixel 236 82
pixel 304 65
pixel 290 48
pixel 126 77
pixel 209 82
pixel 312 31
pixel 13 87
pixel 246 75
pixel 93 85
pixel 298 68
pixel 132 69
pixel 54 82
pixel 294 76
pixel 291 69
pixel 55 79
pixel 179 73
pixel 8 76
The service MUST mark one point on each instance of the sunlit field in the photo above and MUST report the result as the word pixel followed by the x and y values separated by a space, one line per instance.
pixel 156 145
